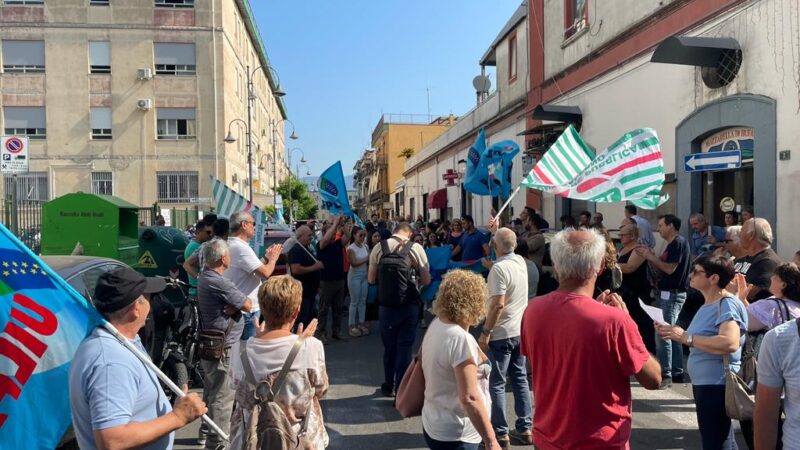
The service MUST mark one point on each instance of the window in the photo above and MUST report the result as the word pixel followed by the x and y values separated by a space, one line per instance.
pixel 23 56
pixel 98 2
pixel 512 58
pixel 31 187
pixel 576 16
pixel 102 183
pixel 176 123
pixel 100 122
pixel 99 57
pixel 175 59
pixel 174 3
pixel 25 121
pixel 176 187
pixel 23 2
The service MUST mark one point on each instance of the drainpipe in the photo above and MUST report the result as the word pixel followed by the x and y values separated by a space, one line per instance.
pixel 216 89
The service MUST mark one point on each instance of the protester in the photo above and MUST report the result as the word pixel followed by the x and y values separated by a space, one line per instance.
pixel 374 239
pixel 760 262
pixel 533 271
pixel 508 297
pixel 203 232
pixel 358 256
pixel 115 399
pixel 454 237
pixel 398 293
pixel 221 306
pixel 778 388
pixel 567 221
pixel 433 241
pixel 635 285
pixel 673 266
pixel 611 277
pixel 783 305
pixel 645 231
pixel 571 339
pixel 533 237
pixel 731 219
pixel 246 270
pixel 332 277
pixel 305 269
pixel 718 329
pixel 455 413
pixel 731 246
pixel 307 380
pixel 585 219
pixel 160 221
pixel 473 244
pixel 747 214
pixel 418 239
pixel 597 221
pixel 704 236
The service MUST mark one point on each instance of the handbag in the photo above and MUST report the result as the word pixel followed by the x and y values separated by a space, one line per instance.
pixel 740 396
pixel 211 343
pixel 411 392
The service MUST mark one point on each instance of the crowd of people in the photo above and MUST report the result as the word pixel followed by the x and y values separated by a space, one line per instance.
pixel 559 323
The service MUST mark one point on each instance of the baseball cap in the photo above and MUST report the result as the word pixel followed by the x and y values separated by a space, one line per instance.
pixel 120 287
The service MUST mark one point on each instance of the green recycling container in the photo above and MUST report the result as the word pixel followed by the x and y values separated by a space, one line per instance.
pixel 92 225
pixel 161 254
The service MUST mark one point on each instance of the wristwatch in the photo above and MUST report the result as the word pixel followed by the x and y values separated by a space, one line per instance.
pixel 689 340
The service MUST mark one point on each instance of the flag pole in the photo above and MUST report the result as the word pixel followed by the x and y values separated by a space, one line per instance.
pixel 505 205
pixel 161 376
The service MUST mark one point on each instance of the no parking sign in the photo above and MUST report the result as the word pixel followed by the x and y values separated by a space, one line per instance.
pixel 14 151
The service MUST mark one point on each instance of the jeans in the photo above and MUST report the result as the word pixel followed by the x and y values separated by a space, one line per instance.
pixel 506 359
pixel 218 395
pixel 357 283
pixel 249 324
pixel 670 353
pixel 331 297
pixel 716 430
pixel 398 333
pixel 433 444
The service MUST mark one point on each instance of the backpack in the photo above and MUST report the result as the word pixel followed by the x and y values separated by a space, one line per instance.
pixel 259 422
pixel 396 277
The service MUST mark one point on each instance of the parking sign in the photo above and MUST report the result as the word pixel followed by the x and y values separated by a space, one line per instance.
pixel 14 151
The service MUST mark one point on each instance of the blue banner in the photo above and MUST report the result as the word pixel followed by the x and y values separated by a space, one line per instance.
pixel 489 169
pixel 333 191
pixel 43 320
pixel 440 263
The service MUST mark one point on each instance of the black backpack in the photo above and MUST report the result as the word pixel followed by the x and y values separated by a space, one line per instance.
pixel 396 280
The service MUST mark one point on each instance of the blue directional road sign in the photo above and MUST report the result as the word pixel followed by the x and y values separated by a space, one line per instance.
pixel 699 162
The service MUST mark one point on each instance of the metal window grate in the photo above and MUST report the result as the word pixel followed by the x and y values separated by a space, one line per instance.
pixel 176 187
pixel 100 69
pixel 721 75
pixel 102 183
pixel 31 187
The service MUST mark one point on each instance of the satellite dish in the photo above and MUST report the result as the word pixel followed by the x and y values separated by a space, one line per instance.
pixel 482 83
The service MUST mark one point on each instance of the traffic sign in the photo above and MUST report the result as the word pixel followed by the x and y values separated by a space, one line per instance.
pixel 14 150
pixel 699 162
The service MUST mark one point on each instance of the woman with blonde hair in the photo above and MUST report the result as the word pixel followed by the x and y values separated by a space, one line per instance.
pixel 455 414
pixel 263 357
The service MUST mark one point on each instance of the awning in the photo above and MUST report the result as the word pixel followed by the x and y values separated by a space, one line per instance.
pixel 559 113
pixel 694 51
pixel 437 199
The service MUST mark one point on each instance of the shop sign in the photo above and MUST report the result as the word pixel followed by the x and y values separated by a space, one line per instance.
pixel 736 138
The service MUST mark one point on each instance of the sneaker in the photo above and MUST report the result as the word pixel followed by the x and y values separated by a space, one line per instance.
pixel 504 442
pixel 387 390
pixel 678 379
pixel 666 382
pixel 364 330
pixel 520 437
pixel 355 331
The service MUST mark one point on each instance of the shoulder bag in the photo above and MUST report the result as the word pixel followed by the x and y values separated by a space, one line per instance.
pixel 211 343
pixel 740 396
pixel 411 392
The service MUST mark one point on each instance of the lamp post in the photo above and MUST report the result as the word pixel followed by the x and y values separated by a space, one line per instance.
pixel 277 92
pixel 308 172
pixel 302 160
pixel 293 136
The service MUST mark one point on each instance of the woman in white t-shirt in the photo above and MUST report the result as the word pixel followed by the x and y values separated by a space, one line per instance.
pixel 358 255
pixel 455 414
pixel 267 351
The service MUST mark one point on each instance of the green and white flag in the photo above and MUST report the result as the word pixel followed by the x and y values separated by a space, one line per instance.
pixel 630 169
pixel 229 202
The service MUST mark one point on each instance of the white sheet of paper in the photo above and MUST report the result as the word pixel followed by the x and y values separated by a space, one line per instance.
pixel 654 312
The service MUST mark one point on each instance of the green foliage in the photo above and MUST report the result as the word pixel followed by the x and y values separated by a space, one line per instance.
pixel 406 153
pixel 304 206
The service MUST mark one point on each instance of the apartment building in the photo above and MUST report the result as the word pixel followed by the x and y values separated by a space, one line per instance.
pixel 135 98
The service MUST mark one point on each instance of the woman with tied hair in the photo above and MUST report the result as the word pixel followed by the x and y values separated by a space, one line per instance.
pixel 267 351
pixel 784 304
pixel 455 414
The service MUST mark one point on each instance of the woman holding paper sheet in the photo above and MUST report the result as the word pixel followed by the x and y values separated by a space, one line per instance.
pixel 717 331
pixel 635 285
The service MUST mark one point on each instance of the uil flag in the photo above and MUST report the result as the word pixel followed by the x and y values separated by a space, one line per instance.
pixel 43 320
pixel 229 202
pixel 489 169
pixel 630 169
pixel 333 191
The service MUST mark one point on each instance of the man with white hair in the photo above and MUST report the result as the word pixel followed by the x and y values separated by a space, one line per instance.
pixel 583 352
pixel 508 297
pixel 247 271
pixel 221 306
pixel 761 261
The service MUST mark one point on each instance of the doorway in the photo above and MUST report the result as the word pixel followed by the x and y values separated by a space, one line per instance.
pixel 736 184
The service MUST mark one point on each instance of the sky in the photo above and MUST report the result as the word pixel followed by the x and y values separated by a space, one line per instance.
pixel 344 63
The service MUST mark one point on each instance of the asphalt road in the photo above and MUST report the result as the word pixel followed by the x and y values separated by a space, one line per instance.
pixel 358 417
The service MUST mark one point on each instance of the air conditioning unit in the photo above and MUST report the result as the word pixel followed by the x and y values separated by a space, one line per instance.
pixel 144 104
pixel 144 74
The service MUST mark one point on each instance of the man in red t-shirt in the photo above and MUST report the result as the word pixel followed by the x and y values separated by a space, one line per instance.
pixel 582 353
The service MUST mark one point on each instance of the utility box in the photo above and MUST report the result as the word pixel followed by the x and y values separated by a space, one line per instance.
pixel 92 225
pixel 161 255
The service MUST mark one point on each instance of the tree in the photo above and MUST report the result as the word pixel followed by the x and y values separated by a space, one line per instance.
pixel 304 206
pixel 406 153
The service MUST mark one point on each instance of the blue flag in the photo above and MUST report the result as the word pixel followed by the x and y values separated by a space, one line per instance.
pixel 489 169
pixel 333 191
pixel 43 320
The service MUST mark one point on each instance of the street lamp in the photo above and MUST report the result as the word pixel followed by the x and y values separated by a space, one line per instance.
pixel 308 173
pixel 293 136
pixel 302 160
pixel 229 139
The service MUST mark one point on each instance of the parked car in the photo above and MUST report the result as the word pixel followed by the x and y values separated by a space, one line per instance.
pixel 278 236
